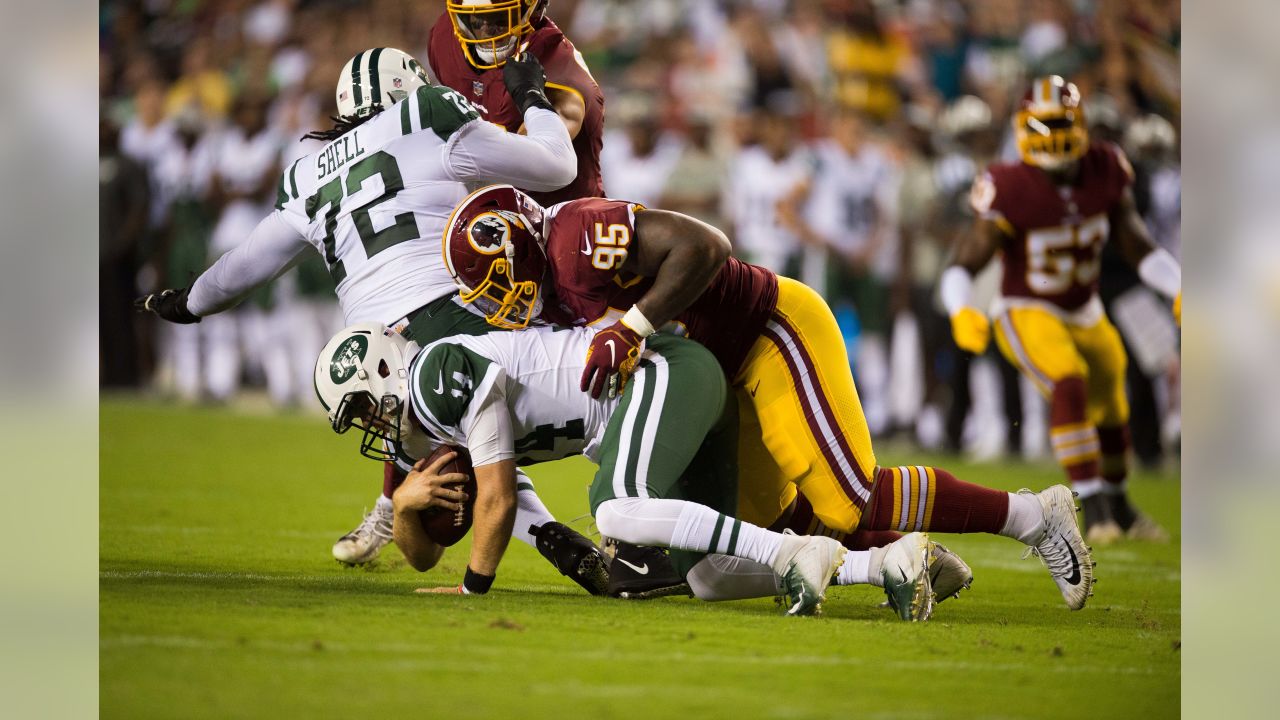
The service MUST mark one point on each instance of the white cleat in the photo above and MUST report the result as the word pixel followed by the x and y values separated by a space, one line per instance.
pixel 807 564
pixel 1061 548
pixel 363 544
pixel 948 572
pixel 907 582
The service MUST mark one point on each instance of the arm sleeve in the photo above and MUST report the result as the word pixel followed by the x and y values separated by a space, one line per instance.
pixel 542 161
pixel 487 428
pixel 270 249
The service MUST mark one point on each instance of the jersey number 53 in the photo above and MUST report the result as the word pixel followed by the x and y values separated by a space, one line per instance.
pixel 1066 255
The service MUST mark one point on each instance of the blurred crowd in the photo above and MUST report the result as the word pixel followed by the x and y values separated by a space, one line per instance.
pixel 835 141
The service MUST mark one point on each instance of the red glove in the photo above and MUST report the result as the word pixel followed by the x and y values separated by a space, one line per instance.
pixel 614 351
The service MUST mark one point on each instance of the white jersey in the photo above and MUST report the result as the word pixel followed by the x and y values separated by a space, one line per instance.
pixel 375 202
pixel 509 395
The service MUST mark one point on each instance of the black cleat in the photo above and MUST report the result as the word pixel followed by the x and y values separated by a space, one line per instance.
pixel 574 555
pixel 1100 527
pixel 642 572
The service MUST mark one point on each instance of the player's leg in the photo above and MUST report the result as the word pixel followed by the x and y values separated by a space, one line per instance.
pixel 1103 350
pixel 437 319
pixel 797 382
pixel 1040 345
pixel 677 398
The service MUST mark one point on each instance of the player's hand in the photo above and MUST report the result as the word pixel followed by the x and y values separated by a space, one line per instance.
pixel 450 590
pixel 972 330
pixel 526 82
pixel 1177 308
pixel 611 359
pixel 169 304
pixel 425 487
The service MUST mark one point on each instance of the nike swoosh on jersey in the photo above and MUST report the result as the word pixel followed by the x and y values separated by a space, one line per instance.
pixel 586 241
pixel 440 385
pixel 1074 577
pixel 642 569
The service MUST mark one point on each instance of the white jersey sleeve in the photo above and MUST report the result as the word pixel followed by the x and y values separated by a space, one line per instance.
pixel 270 249
pixel 543 161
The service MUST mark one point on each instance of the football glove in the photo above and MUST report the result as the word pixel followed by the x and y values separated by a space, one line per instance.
pixel 971 330
pixel 611 360
pixel 169 304
pixel 1177 308
pixel 526 82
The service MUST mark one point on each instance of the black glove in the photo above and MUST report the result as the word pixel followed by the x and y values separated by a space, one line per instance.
pixel 169 304
pixel 526 82
pixel 575 556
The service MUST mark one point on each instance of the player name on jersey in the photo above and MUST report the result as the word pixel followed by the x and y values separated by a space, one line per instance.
pixel 338 153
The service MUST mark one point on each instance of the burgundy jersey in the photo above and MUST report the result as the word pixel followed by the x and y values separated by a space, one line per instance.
pixel 1054 234
pixel 587 242
pixel 565 71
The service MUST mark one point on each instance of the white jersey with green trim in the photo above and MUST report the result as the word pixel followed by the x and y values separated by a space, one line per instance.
pixel 375 203
pixel 510 395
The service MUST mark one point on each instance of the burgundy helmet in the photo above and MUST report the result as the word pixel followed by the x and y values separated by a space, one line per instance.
pixel 493 249
pixel 1049 124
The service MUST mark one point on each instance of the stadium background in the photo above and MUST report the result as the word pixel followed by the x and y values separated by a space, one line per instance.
pixel 722 109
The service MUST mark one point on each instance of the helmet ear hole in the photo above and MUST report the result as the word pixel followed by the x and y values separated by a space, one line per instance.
pixel 383 370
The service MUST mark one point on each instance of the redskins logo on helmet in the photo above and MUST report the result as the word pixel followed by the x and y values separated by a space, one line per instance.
pixel 1049 126
pixel 493 251
pixel 490 31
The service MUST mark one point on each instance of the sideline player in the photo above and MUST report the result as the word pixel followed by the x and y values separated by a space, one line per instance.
pixel 469 47
pixel 583 261
pixel 373 202
pixel 1049 216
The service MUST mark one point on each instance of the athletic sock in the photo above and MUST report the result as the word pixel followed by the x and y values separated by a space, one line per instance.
pixel 856 569
pixel 915 497
pixel 384 504
pixel 1113 441
pixel 1025 521
pixel 685 526
pixel 875 565
pixel 1074 439
pixel 391 479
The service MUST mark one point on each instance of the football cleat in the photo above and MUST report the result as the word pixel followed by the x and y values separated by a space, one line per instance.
pixel 907 582
pixel 640 572
pixel 574 555
pixel 363 544
pixel 1144 528
pixel 807 563
pixel 1061 548
pixel 1100 526
pixel 947 572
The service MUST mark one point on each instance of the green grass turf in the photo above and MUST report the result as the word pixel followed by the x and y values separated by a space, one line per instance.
pixel 219 599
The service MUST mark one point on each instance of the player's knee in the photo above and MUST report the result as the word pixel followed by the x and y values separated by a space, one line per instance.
pixel 612 518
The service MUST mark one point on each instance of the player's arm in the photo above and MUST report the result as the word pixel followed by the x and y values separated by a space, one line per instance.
pixel 491 442
pixel 273 247
pixel 424 487
pixel 570 107
pixel 1158 268
pixel 682 254
pixel 541 161
pixel 969 326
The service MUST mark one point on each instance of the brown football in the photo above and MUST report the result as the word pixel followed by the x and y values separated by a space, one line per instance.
pixel 442 526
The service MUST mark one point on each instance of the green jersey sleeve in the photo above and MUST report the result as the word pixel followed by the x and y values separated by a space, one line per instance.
pixel 445 382
pixel 441 109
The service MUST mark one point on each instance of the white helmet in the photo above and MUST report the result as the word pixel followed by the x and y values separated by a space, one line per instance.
pixel 376 79
pixel 362 379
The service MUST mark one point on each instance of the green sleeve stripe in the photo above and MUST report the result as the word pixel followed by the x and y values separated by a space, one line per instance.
pixel 733 538
pixel 715 534
pixel 293 180
pixel 282 196
pixel 443 110
pixel 424 109
pixel 406 125
pixel 524 486
pixel 375 83
pixel 355 78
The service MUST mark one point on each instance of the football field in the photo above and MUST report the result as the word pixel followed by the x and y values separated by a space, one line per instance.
pixel 219 599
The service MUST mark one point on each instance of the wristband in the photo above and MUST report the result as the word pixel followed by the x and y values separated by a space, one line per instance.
pixel 473 583
pixel 638 323
pixel 954 288
pixel 1161 272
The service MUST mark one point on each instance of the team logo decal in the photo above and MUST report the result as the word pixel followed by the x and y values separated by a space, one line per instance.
pixel 397 82
pixel 477 87
pixel 489 233
pixel 347 358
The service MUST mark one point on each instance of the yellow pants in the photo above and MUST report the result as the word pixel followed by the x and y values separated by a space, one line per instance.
pixel 1047 349
pixel 801 421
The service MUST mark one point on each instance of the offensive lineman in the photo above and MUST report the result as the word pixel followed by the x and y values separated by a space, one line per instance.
pixel 1049 216
pixel 374 201
pixel 582 261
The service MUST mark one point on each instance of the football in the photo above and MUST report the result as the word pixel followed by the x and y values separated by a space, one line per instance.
pixel 443 527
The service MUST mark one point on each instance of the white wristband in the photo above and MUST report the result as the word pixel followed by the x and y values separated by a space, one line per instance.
pixel 1161 272
pixel 636 320
pixel 955 286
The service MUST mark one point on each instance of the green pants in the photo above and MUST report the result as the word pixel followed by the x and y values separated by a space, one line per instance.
pixel 442 318
pixel 673 436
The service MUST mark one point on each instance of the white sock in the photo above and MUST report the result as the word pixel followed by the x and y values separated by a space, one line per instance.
pixel 685 526
pixel 1092 486
pixel 1025 522
pixel 856 569
pixel 529 511
pixel 723 577
pixel 384 504
pixel 875 565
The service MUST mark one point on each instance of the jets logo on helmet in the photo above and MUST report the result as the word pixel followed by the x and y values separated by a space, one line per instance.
pixel 1049 126
pixel 376 79
pixel 362 379
pixel 493 251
